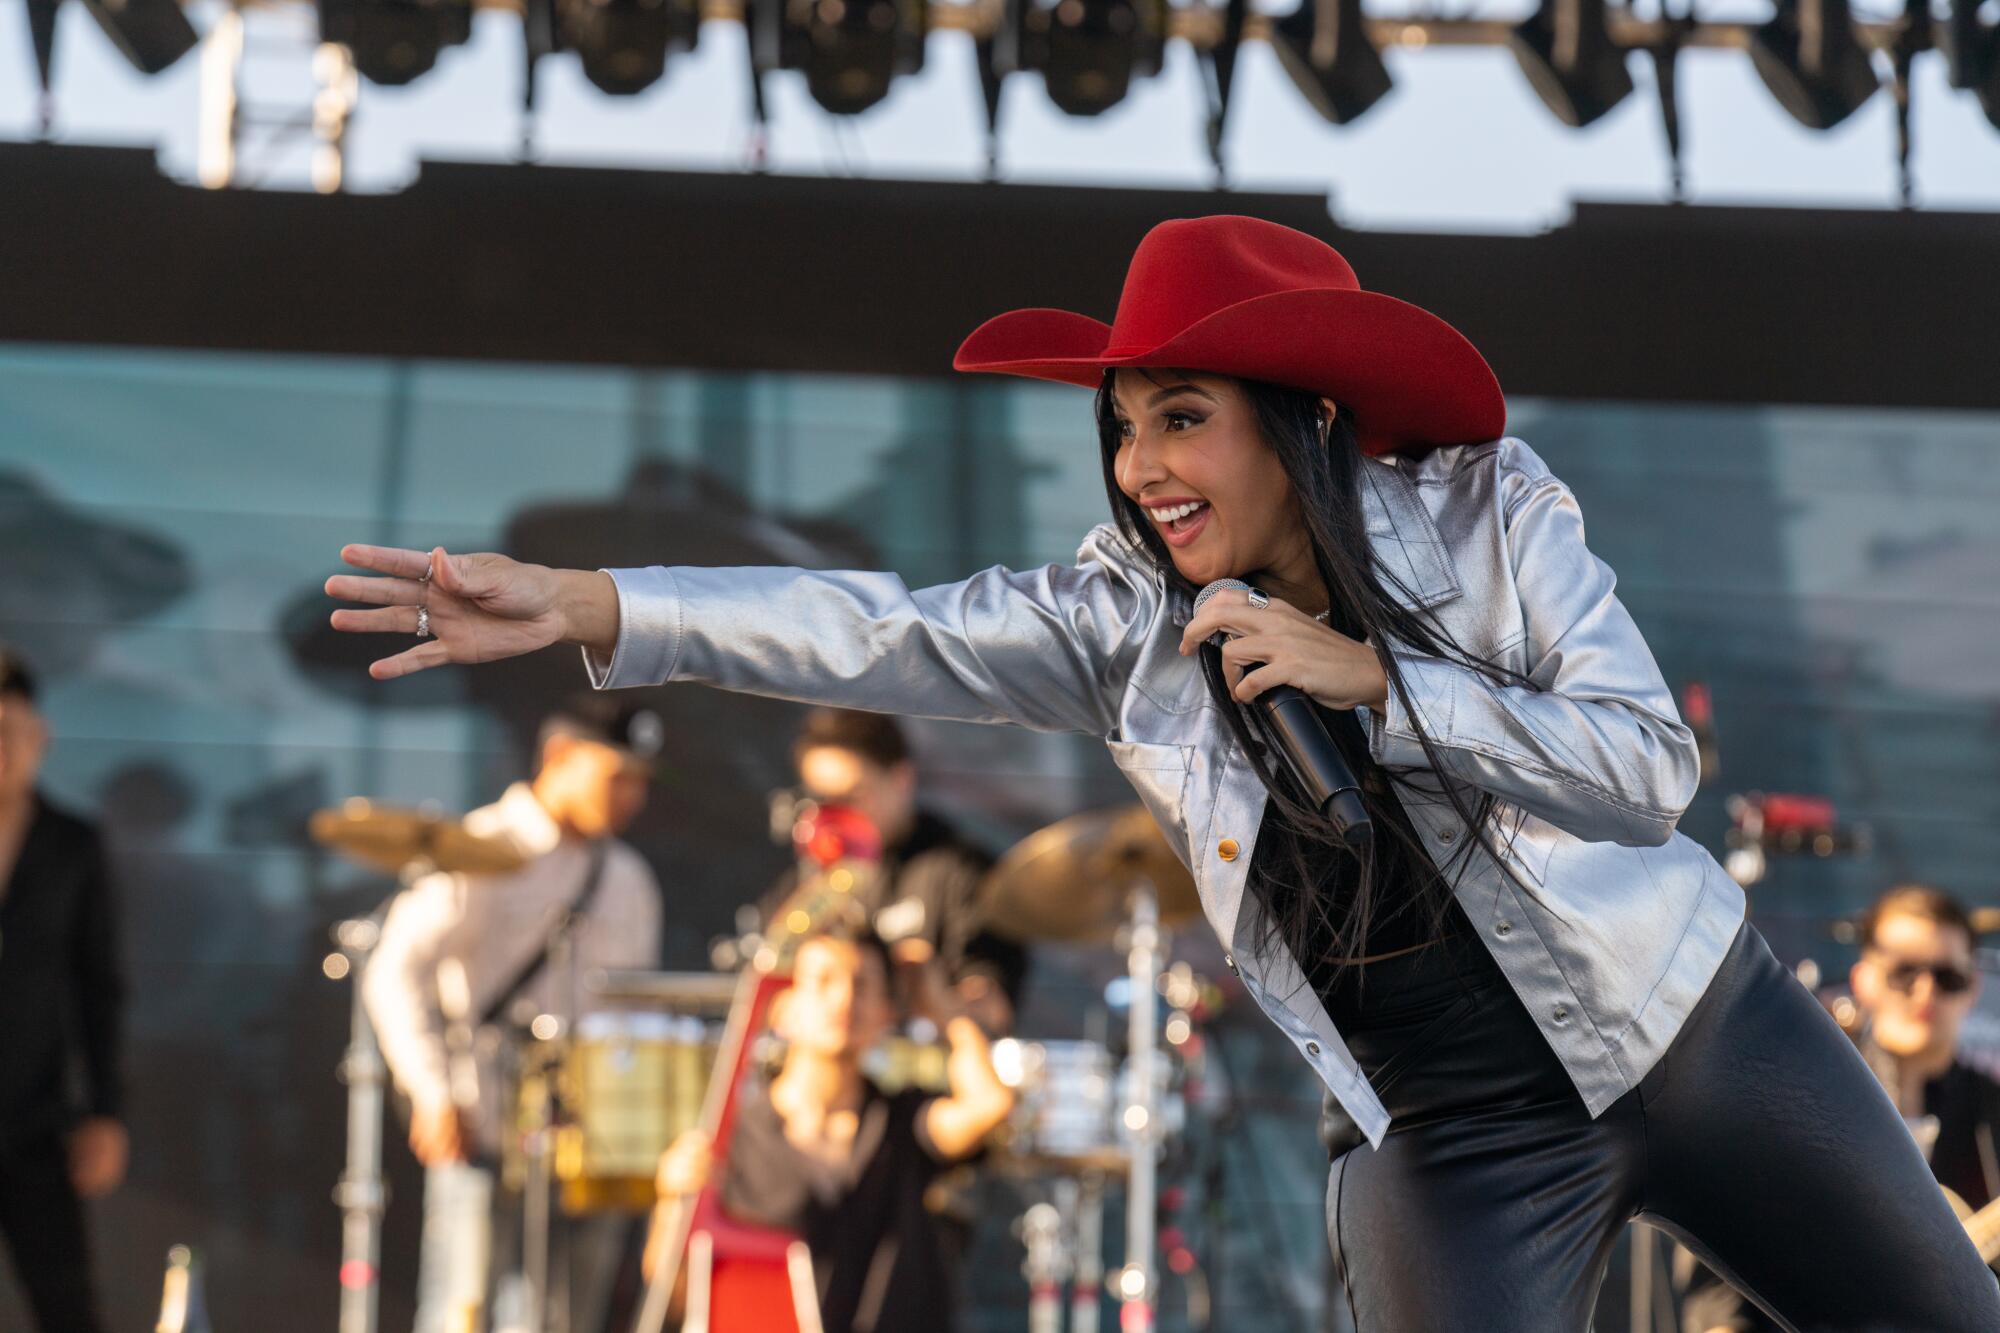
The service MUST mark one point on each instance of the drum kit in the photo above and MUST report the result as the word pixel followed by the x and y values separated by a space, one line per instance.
pixel 601 1094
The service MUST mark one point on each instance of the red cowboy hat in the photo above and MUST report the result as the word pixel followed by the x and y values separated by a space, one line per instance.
pixel 1245 297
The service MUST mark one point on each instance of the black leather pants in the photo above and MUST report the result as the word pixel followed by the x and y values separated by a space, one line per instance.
pixel 1760 1139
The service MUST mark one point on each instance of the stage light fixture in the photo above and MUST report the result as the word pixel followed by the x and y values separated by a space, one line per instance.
pixel 1088 52
pixel 395 41
pixel 1810 59
pixel 1565 49
pixel 1972 55
pixel 152 34
pixel 1324 47
pixel 849 50
pixel 42 36
pixel 624 44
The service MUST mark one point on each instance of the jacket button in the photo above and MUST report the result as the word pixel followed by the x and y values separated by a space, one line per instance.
pixel 1561 1014
pixel 1447 835
pixel 1227 849
pixel 1503 928
pixel 1229 961
pixel 1312 1048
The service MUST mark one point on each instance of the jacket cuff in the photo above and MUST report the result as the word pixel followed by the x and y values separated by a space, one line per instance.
pixel 1432 683
pixel 649 631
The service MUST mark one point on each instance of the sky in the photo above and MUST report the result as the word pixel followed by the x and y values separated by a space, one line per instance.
pixel 1461 144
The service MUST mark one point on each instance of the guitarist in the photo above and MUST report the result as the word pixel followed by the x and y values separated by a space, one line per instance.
pixel 1914 985
pixel 819 1150
pixel 461 955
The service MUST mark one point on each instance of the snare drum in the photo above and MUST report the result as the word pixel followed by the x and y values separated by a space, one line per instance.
pixel 1064 1112
pixel 1071 1105
pixel 632 1083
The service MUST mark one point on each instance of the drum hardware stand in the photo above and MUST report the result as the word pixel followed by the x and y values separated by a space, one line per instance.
pixel 361 1195
pixel 1080 1203
pixel 538 1196
pixel 1137 1281
pixel 1046 1266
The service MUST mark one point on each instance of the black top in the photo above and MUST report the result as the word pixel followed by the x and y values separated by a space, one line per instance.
pixel 1966 1156
pixel 1406 887
pixel 932 878
pixel 874 1245
pixel 61 987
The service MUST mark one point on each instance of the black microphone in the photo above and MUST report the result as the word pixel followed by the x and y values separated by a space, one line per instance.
pixel 1292 720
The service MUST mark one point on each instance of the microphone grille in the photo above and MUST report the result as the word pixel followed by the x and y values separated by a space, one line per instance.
pixel 1220 585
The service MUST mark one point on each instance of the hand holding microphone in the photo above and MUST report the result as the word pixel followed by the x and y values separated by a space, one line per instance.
pixel 1281 661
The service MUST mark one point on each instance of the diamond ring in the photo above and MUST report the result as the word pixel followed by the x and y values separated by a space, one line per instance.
pixel 423 622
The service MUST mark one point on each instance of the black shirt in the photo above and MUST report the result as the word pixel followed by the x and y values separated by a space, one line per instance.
pixel 1966 1156
pixel 874 1244
pixel 61 988
pixel 1408 893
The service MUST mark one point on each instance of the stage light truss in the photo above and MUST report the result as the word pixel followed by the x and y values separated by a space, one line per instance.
pixel 1817 60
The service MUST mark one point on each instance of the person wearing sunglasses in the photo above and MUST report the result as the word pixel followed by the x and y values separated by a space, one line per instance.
pixel 1913 985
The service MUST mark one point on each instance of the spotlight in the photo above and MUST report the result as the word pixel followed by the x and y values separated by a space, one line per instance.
pixel 1087 51
pixel 152 34
pixel 849 50
pixel 1808 57
pixel 395 41
pixel 624 44
pixel 1324 47
pixel 1972 55
pixel 1567 53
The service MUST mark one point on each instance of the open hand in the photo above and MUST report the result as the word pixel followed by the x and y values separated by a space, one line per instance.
pixel 480 607
pixel 1294 650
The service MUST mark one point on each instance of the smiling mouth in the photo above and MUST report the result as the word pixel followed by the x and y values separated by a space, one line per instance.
pixel 1181 519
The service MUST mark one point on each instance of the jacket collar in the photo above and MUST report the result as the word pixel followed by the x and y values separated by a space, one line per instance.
pixel 1404 537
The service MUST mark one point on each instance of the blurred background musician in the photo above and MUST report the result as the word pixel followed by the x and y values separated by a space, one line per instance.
pixel 818 1149
pixel 1914 984
pixel 462 955
pixel 925 903
pixel 62 993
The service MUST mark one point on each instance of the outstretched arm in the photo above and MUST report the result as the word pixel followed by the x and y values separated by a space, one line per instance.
pixel 1044 648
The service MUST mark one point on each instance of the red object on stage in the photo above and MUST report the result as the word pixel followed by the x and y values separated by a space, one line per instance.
pixel 1784 812
pixel 748 1280
pixel 833 833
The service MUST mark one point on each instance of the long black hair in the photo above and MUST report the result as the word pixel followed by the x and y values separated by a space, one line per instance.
pixel 1323 462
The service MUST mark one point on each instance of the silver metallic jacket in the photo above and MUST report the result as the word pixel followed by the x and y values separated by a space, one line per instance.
pixel 1607 922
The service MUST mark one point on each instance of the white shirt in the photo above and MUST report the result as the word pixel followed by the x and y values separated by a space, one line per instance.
pixel 450 942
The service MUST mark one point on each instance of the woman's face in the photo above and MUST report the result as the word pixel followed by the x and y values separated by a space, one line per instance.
pixel 1190 456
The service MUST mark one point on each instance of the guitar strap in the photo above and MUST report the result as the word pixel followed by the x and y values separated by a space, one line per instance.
pixel 593 875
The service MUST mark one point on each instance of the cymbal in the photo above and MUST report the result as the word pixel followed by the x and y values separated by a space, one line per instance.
pixel 1069 881
pixel 394 838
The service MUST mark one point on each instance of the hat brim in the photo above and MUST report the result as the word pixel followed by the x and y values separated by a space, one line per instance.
pixel 1409 378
